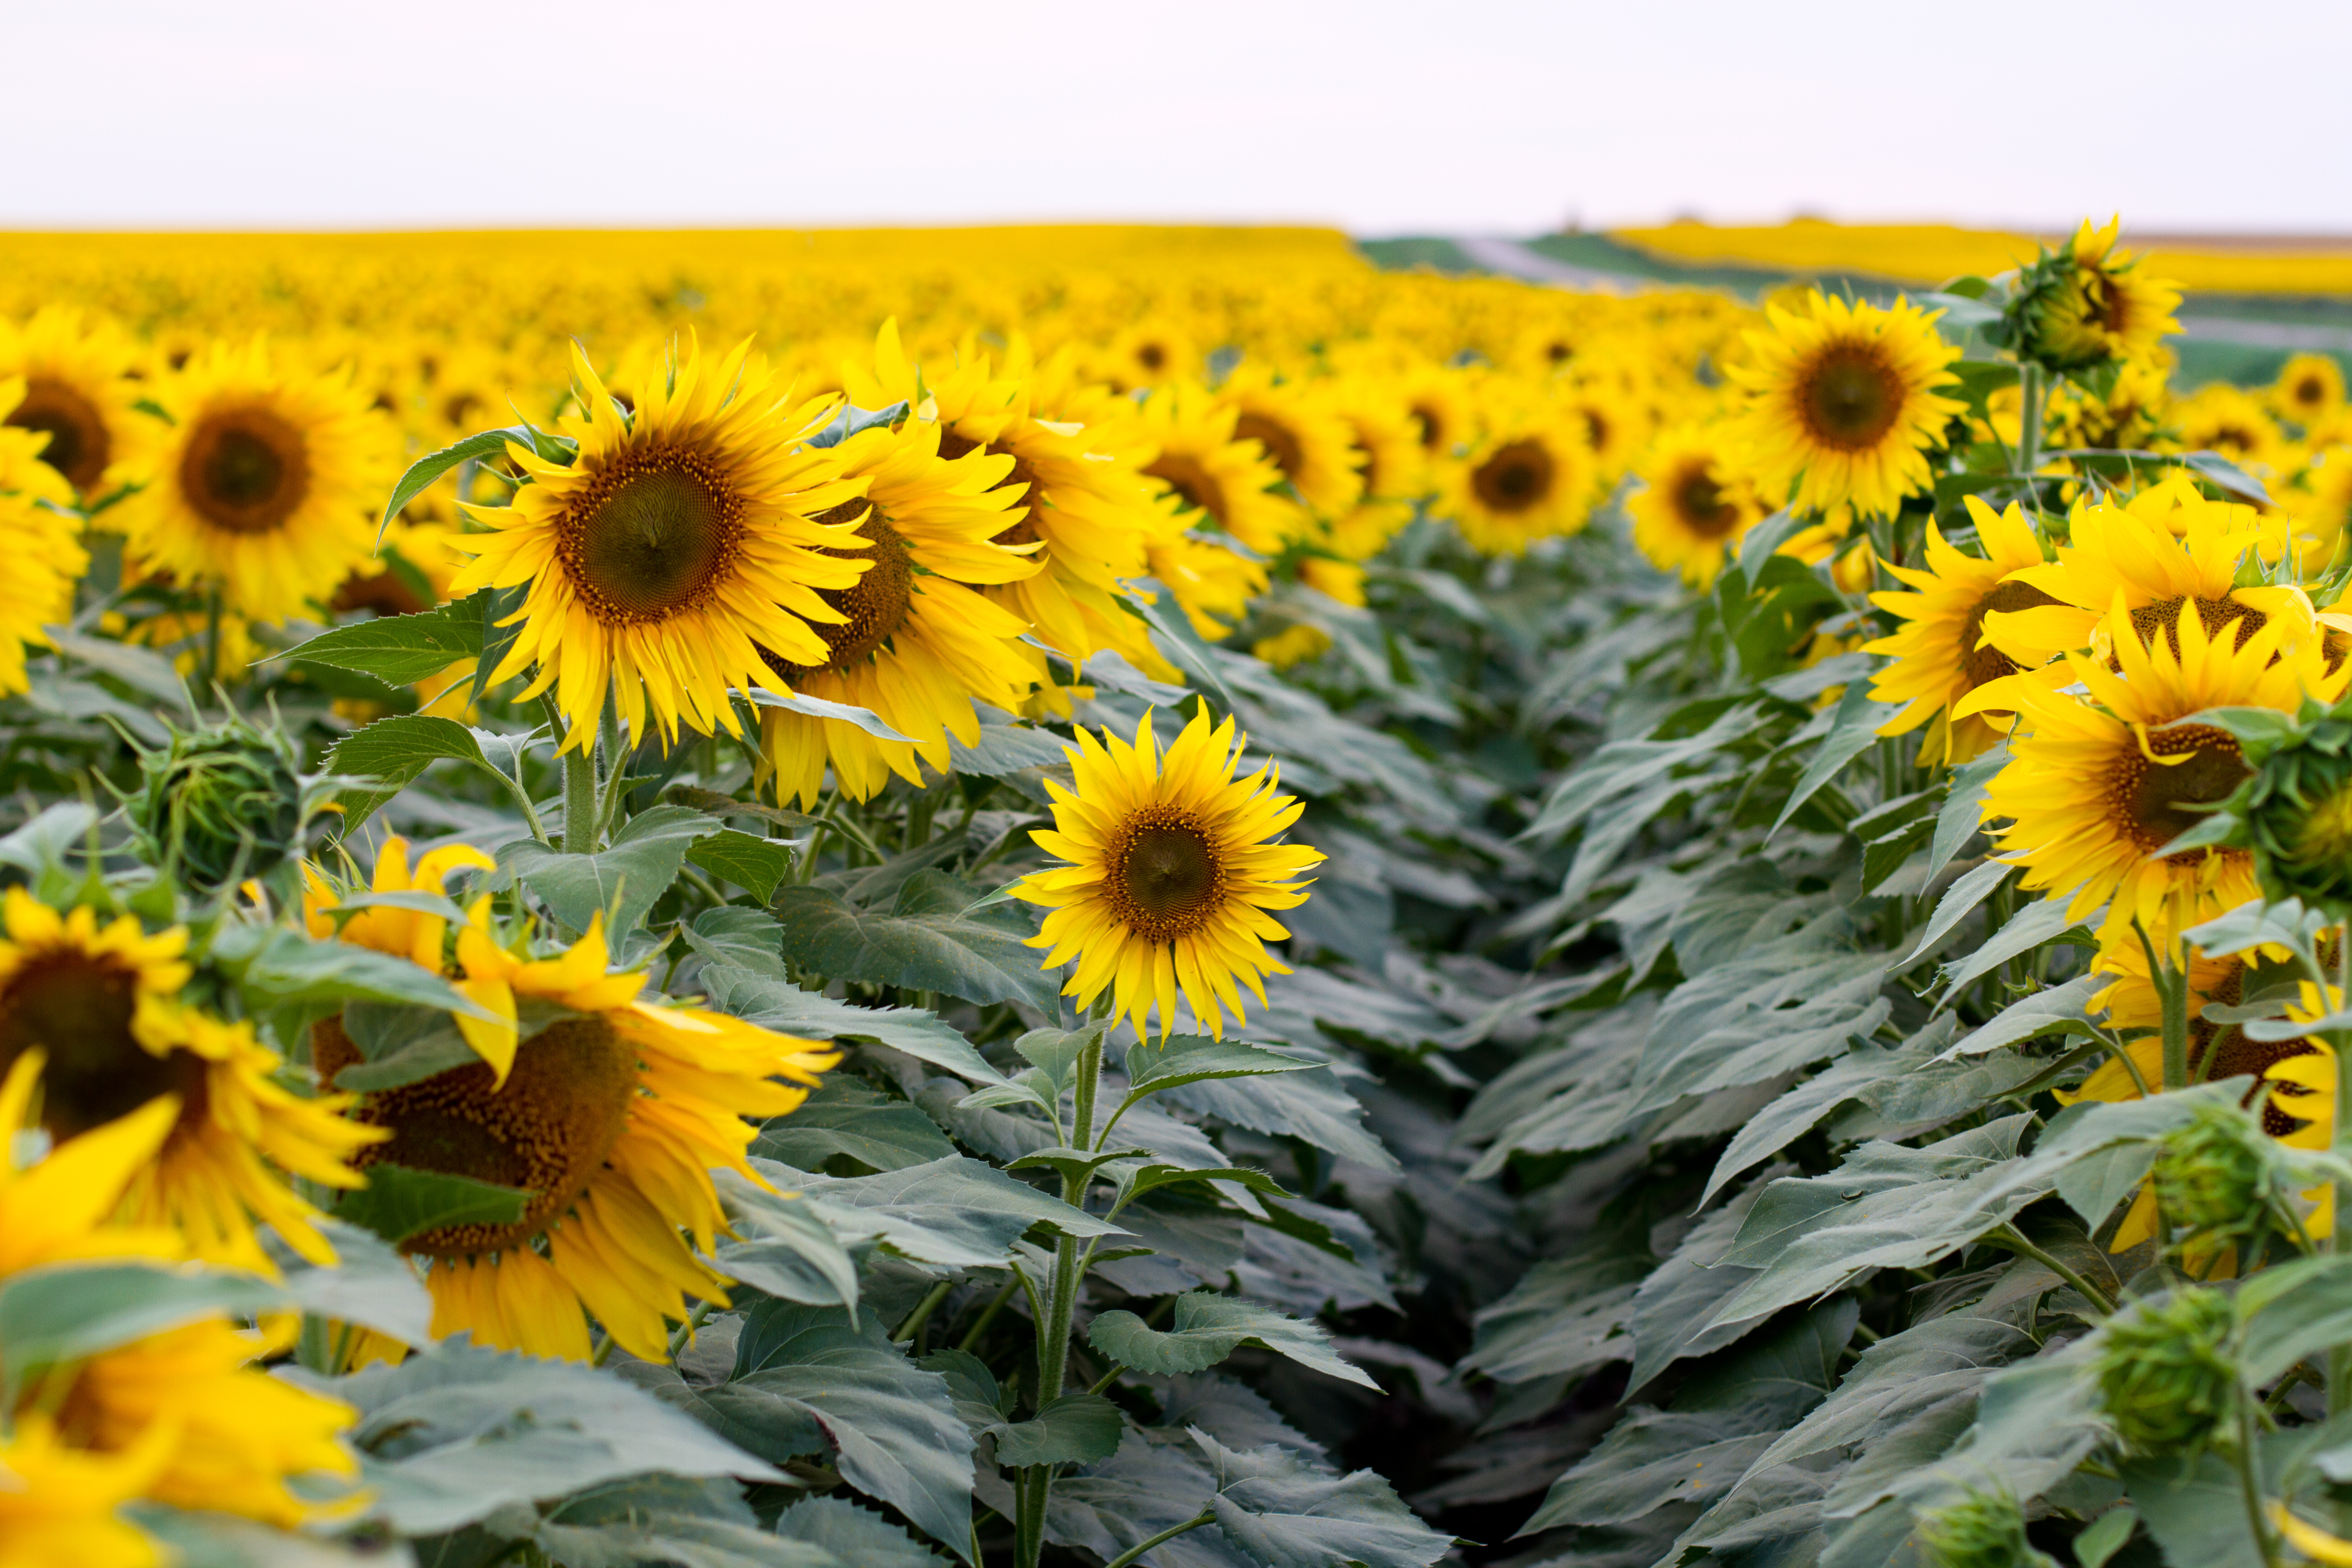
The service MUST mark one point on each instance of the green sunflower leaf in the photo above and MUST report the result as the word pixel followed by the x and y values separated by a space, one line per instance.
pixel 398 650
pixel 399 1202
pixel 1208 1329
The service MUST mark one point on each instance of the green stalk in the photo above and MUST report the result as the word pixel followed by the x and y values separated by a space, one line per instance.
pixel 1170 1534
pixel 2010 1238
pixel 2029 420
pixel 579 787
pixel 1061 1305
pixel 2249 1488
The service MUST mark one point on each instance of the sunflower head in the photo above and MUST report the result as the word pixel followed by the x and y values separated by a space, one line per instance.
pixel 2296 812
pixel 2167 1375
pixel 1979 1529
pixel 1842 404
pixel 1693 506
pixel 2309 389
pixel 219 805
pixel 2086 304
pixel 2214 1177
pixel 1170 864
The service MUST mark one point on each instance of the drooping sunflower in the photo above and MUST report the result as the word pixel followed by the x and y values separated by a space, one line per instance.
pixel 1305 438
pixel 1530 477
pixel 78 392
pixel 1693 507
pixel 2100 306
pixel 1940 652
pixel 262 484
pixel 2309 389
pixel 1172 865
pixel 1197 459
pixel 611 1111
pixel 1083 497
pixel 688 534
pixel 2163 549
pixel 1842 405
pixel 103 1004
pixel 230 1435
pixel 40 542
pixel 2097 786
pixel 915 639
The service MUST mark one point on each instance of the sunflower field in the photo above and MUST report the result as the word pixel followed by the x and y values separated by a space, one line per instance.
pixel 1108 897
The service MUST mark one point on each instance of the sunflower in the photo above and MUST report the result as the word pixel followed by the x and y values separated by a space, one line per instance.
pixel 916 640
pixel 1692 507
pixel 2219 417
pixel 1530 478
pixel 2298 1073
pixel 1307 439
pixel 59 1504
pixel 2097 786
pixel 1172 863
pixel 682 550
pixel 1444 417
pixel 41 543
pixel 1080 497
pixel 610 1111
pixel 230 1435
pixel 1198 459
pixel 2125 418
pixel 1842 404
pixel 77 391
pixel 262 484
pixel 2163 549
pixel 2309 389
pixel 2102 307
pixel 1615 427
pixel 1388 460
pixel 1940 653
pixel 102 1004
pixel 1151 352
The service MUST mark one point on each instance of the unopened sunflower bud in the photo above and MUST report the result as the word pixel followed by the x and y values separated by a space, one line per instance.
pixel 2166 1375
pixel 2213 1179
pixel 2297 812
pixel 221 802
pixel 1982 1530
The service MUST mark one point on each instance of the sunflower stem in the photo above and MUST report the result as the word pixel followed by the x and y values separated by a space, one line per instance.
pixel 1061 1300
pixel 2028 426
pixel 579 791
pixel 1170 1534
pixel 2009 1237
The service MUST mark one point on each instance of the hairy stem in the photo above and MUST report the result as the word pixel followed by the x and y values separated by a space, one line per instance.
pixel 1061 1304
pixel 579 787
pixel 2010 1238
pixel 1170 1534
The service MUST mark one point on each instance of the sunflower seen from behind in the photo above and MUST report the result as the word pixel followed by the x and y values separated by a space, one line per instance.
pixel 1170 865
pixel 686 541
pixel 100 1003
pixel 2097 784
pixel 608 1108
pixel 1693 507
pixel 78 393
pixel 262 485
pixel 1843 404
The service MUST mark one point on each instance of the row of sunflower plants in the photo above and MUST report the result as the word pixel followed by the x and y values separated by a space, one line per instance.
pixel 1946 1098
pixel 687 1178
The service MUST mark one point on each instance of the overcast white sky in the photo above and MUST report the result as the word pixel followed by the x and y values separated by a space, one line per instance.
pixel 1381 116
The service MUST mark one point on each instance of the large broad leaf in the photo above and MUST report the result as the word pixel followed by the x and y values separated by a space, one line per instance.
pixel 666 1521
pixel 926 943
pixel 1287 1511
pixel 952 1213
pixel 1153 1484
pixel 1563 1317
pixel 775 1003
pixel 394 753
pixel 859 1537
pixel 1074 1428
pixel 1853 728
pixel 193 1540
pixel 1671 1312
pixel 279 968
pixel 784 1244
pixel 1313 1107
pixel 750 862
pixel 808 1379
pixel 398 1203
pixel 1694 1449
pixel 1207 1329
pixel 398 650
pixel 65 1312
pixel 846 1119
pixel 621 882
pixel 456 1432
pixel 1888 1206
pixel 367 1283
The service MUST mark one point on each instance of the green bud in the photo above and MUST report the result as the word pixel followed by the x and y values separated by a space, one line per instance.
pixel 2213 1178
pixel 2297 810
pixel 1982 1530
pixel 2165 1372
pixel 219 803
